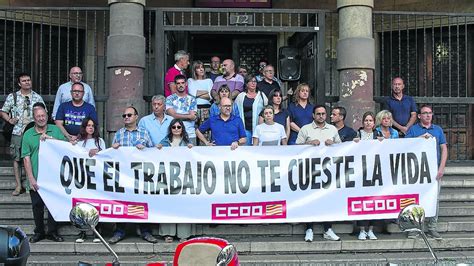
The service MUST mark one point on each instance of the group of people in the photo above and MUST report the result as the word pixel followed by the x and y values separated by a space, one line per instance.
pixel 223 110
pixel 74 119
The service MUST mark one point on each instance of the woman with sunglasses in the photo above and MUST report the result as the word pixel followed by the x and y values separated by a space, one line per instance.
pixel 176 137
pixel 90 140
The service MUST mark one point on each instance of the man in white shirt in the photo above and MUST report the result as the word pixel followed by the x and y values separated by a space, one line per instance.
pixel 64 91
pixel 314 134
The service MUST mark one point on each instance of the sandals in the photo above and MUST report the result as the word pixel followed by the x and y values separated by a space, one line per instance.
pixel 17 191
pixel 168 239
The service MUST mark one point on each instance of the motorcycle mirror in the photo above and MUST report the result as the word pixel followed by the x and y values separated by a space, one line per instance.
pixel 84 216
pixel 411 218
pixel 225 255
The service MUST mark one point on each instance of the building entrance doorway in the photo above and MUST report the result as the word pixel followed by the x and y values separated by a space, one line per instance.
pixel 245 49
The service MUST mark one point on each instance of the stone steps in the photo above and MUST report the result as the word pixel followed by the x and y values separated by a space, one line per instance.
pixel 275 244
pixel 353 258
pixel 269 244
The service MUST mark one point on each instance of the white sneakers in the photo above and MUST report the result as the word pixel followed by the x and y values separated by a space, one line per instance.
pixel 364 235
pixel 309 235
pixel 330 235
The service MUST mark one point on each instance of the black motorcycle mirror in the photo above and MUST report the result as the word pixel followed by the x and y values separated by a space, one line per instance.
pixel 225 255
pixel 85 217
pixel 411 219
pixel 14 246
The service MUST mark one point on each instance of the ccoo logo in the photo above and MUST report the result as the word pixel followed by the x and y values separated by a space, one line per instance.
pixel 380 204
pixel 117 209
pixel 249 210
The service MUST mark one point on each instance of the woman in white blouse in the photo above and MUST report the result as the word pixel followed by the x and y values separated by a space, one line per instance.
pixel 269 133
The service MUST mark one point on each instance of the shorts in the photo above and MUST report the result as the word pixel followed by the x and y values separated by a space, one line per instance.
pixel 15 147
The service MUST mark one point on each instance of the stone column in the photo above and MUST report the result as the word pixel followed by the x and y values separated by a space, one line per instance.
pixel 356 59
pixel 125 60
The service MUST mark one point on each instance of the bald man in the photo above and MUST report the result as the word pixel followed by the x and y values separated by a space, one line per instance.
pixel 64 91
pixel 231 78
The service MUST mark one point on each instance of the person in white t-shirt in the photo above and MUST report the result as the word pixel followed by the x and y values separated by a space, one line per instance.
pixel 269 133
pixel 200 87
pixel 90 140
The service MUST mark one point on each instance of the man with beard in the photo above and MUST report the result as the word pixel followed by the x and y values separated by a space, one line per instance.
pixel 234 81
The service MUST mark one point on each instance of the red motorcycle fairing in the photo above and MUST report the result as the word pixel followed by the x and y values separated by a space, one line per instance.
pixel 201 251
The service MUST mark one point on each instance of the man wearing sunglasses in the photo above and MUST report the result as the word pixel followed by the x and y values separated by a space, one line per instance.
pixel 70 114
pixel 18 111
pixel 131 135
pixel 64 91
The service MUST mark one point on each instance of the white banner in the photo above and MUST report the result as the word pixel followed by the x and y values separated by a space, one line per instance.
pixel 278 184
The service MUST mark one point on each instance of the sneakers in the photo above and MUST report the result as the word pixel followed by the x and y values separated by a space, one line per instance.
pixel 309 235
pixel 412 234
pixel 149 238
pixel 118 236
pixel 371 235
pixel 434 234
pixel 330 235
pixel 96 240
pixel 362 235
pixel 82 237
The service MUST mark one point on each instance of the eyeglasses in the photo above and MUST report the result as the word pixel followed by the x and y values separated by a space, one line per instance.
pixel 127 115
pixel 76 73
pixel 320 114
pixel 76 91
pixel 176 127
pixel 427 113
pixel 253 81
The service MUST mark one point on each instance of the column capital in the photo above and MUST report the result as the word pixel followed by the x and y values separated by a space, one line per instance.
pixel 347 3
pixel 140 2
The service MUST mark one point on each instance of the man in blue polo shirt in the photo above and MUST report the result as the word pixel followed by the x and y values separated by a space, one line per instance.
pixel 402 107
pixel 226 129
pixel 426 129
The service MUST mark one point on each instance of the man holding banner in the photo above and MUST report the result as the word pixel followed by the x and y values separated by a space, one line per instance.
pixel 426 129
pixel 314 134
pixel 131 135
pixel 226 129
pixel 29 153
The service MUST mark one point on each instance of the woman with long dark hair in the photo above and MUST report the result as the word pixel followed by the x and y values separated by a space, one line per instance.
pixel 89 138
pixel 281 115
pixel 176 137
pixel 250 104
